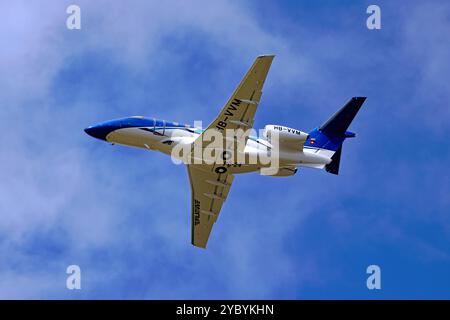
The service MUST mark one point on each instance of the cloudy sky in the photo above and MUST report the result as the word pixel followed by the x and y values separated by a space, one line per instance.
pixel 123 214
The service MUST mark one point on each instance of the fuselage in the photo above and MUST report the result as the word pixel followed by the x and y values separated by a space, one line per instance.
pixel 164 136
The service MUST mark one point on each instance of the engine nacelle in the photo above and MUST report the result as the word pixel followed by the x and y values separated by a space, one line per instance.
pixel 282 172
pixel 285 134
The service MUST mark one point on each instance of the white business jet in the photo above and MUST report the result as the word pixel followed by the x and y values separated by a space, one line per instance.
pixel 228 146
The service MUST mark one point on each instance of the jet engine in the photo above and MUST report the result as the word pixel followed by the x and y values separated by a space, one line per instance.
pixel 282 172
pixel 285 134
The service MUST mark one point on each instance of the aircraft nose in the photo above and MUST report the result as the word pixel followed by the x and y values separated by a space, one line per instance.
pixel 98 131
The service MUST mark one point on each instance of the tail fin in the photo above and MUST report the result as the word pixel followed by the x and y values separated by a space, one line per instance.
pixel 328 138
pixel 340 121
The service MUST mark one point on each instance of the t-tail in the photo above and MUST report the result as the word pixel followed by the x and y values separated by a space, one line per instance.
pixel 329 137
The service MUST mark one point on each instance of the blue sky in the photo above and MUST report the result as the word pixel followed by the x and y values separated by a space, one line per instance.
pixel 123 215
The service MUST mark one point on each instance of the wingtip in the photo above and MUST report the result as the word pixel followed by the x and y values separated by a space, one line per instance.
pixel 201 246
pixel 266 56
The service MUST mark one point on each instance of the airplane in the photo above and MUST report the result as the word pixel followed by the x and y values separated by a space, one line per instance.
pixel 211 180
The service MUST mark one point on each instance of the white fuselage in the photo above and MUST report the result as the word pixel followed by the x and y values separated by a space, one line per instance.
pixel 166 138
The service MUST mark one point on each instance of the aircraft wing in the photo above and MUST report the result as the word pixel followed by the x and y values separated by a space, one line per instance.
pixel 209 191
pixel 239 111
pixel 210 182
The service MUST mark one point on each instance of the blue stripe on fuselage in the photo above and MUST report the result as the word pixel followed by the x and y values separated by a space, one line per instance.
pixel 101 130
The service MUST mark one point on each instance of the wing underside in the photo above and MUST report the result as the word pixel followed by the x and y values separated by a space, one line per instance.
pixel 239 111
pixel 209 191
